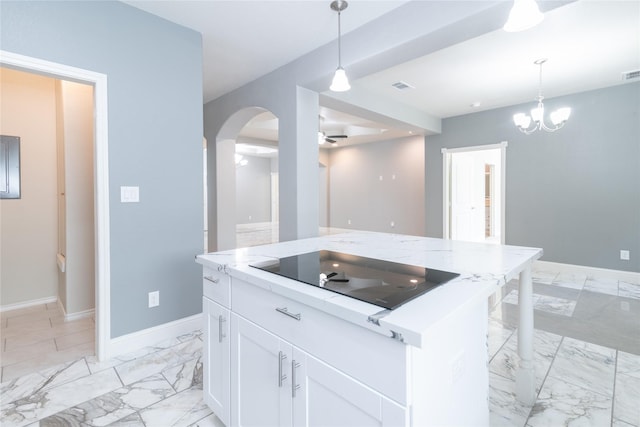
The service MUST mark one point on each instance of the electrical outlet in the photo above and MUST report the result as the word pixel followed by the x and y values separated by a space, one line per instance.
pixel 624 255
pixel 154 299
pixel 349 221
pixel 393 224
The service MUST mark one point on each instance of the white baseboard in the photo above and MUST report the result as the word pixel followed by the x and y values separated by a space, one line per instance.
pixel 26 304
pixel 80 315
pixel 75 316
pixel 625 276
pixel 151 336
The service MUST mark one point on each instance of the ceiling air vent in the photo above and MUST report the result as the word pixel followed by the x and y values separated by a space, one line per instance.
pixel 402 85
pixel 630 75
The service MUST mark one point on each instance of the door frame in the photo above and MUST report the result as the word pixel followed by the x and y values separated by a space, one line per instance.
pixel 446 182
pixel 101 180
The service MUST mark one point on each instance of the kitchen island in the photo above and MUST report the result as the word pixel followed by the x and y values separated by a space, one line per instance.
pixel 281 352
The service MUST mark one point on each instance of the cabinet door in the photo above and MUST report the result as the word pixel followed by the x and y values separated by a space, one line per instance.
pixel 216 380
pixel 261 384
pixel 327 397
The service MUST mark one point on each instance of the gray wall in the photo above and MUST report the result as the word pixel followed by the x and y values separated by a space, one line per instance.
pixel 154 71
pixel 291 94
pixel 358 193
pixel 253 190
pixel 576 192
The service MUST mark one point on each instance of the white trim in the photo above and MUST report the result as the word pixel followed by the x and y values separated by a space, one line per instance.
pixel 79 315
pixel 502 144
pixel 151 336
pixel 446 160
pixel 75 316
pixel 101 159
pixel 446 199
pixel 27 304
pixel 625 276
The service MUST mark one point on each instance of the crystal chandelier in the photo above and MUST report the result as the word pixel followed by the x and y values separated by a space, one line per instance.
pixel 558 117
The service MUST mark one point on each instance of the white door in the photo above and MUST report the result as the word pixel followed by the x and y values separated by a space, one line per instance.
pixel 328 398
pixel 474 193
pixel 216 380
pixel 467 197
pixel 260 377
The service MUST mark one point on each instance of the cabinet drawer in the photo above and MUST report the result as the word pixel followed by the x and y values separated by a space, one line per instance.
pixel 341 344
pixel 216 286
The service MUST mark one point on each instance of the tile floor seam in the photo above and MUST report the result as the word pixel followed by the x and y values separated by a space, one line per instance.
pixel 544 380
pixel 117 374
pixel 581 387
pixel 501 347
pixel 613 392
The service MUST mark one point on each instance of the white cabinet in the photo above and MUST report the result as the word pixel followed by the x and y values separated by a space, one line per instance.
pixel 328 397
pixel 217 359
pixel 276 384
pixel 216 349
pixel 259 377
pixel 271 360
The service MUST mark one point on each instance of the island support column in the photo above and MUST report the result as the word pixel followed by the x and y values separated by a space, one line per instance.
pixel 525 375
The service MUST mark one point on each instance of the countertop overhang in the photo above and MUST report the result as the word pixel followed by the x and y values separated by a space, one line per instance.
pixel 483 269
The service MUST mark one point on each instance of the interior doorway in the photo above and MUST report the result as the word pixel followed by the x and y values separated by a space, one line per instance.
pixel 101 183
pixel 474 193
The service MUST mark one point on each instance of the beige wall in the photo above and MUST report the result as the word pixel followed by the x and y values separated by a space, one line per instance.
pixel 54 120
pixel 77 290
pixel 28 226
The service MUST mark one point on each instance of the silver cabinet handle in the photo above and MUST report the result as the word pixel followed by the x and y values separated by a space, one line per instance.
pixel 211 279
pixel 281 376
pixel 294 385
pixel 221 321
pixel 285 311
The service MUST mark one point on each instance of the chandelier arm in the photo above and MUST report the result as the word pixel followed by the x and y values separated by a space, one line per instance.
pixel 528 131
pixel 553 129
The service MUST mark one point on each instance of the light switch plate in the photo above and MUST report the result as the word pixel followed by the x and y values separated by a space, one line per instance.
pixel 129 194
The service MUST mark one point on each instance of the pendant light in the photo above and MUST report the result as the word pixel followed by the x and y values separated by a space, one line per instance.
pixel 340 82
pixel 524 15
pixel 558 117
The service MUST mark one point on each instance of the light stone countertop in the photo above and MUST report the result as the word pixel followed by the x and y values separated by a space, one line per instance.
pixel 483 269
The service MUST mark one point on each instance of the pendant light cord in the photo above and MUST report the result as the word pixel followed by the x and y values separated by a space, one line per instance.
pixel 339 43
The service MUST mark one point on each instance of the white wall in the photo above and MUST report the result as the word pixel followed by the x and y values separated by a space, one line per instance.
pixel 28 226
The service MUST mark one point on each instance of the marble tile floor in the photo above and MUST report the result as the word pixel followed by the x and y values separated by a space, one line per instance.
pixel 38 337
pixel 586 353
pixel 580 381
pixel 156 386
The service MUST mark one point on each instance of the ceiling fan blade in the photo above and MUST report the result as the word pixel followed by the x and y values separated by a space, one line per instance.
pixel 333 141
pixel 337 136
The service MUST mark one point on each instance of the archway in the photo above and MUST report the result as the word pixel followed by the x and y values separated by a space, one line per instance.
pixel 234 150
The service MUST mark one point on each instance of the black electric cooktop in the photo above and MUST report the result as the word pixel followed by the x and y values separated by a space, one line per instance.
pixel 383 283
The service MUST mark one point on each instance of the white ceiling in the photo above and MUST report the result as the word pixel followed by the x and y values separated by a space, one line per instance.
pixel 588 43
pixel 245 39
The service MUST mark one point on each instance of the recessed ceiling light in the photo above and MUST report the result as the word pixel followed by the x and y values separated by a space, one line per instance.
pixel 475 104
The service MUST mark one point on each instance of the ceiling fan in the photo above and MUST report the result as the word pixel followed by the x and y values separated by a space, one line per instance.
pixel 333 138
